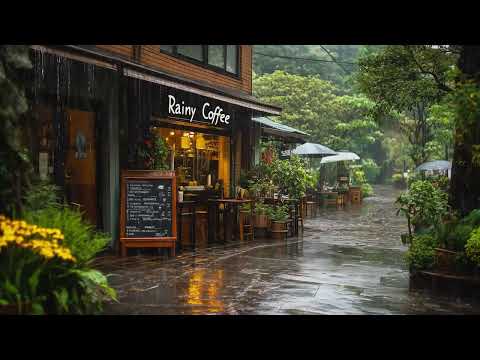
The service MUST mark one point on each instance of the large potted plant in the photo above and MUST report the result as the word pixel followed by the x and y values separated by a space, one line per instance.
pixel 278 221
pixel 261 213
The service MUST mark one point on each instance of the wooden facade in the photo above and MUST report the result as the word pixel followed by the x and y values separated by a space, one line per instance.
pixel 151 56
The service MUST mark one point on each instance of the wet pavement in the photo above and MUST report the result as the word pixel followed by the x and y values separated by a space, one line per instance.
pixel 349 261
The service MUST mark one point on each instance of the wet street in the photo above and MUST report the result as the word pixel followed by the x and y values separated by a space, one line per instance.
pixel 349 261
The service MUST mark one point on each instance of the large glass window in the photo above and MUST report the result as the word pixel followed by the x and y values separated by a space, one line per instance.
pixel 223 58
pixel 216 55
pixel 191 51
pixel 232 63
pixel 199 160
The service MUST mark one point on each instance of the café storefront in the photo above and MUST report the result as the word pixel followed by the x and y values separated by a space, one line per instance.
pixel 96 109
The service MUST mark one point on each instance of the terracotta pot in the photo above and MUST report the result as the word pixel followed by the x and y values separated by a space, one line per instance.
pixel 278 229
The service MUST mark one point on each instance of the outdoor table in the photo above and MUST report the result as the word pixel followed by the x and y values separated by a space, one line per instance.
pixel 190 205
pixel 229 219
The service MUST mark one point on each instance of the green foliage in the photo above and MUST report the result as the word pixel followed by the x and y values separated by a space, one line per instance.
pixel 262 208
pixel 423 204
pixel 278 213
pixel 421 254
pixel 371 170
pixel 472 247
pixel 80 237
pixel 359 179
pixel 291 176
pixel 153 153
pixel 41 195
pixel 15 167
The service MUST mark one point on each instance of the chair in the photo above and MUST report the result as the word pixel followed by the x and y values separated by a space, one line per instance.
pixel 201 221
pixel 332 199
pixel 186 215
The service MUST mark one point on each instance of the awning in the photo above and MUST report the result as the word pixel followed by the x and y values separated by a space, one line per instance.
pixel 279 130
pixel 131 69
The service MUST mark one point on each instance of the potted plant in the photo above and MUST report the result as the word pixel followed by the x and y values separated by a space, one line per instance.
pixel 261 215
pixel 278 220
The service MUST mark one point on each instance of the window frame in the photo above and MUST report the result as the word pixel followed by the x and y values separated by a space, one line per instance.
pixel 204 63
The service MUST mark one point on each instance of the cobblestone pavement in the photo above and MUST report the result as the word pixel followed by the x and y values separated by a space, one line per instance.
pixel 349 261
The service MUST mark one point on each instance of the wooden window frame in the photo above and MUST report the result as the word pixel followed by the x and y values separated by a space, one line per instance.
pixel 204 63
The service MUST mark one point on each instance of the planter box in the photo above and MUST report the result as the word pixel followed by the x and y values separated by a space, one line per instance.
pixel 260 221
pixel 12 309
pixel 445 260
pixel 278 229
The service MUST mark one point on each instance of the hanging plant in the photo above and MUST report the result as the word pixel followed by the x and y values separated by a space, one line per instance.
pixel 153 152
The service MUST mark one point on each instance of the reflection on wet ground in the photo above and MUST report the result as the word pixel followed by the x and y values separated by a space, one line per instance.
pixel 349 261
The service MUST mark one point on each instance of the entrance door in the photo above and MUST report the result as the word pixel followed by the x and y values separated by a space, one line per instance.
pixel 81 162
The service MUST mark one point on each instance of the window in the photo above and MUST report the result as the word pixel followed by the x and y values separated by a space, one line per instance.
pixel 191 51
pixel 216 55
pixel 232 59
pixel 167 48
pixel 221 58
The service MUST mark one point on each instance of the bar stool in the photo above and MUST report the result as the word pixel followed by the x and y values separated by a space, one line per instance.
pixel 246 224
pixel 201 220
pixel 182 215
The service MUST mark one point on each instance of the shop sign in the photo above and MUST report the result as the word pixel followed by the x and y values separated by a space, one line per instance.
pixel 194 108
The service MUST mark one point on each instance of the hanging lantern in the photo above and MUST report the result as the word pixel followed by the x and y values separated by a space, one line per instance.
pixel 200 143
pixel 185 142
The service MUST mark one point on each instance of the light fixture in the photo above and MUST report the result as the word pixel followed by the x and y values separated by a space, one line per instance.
pixel 172 133
pixel 200 143
pixel 185 142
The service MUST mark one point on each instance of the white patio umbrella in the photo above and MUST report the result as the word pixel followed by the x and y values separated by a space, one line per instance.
pixel 341 156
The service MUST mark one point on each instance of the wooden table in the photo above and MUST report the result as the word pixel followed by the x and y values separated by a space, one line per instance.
pixel 229 219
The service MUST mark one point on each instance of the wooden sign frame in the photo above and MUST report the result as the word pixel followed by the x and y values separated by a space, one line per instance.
pixel 146 242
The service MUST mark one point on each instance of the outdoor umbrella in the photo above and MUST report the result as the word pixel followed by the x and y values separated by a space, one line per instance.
pixel 311 149
pixel 439 165
pixel 341 156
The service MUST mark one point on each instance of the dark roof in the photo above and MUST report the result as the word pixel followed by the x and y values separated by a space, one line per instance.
pixel 279 130
pixel 108 56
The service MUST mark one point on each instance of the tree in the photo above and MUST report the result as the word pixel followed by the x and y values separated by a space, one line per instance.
pixel 15 167
pixel 407 81
pixel 464 188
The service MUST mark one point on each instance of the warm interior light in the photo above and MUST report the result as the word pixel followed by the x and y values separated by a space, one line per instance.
pixel 185 142
pixel 172 133
pixel 200 143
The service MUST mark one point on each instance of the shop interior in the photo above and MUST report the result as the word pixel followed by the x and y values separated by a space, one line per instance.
pixel 201 161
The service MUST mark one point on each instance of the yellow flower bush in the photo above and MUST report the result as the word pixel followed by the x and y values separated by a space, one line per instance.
pixel 44 241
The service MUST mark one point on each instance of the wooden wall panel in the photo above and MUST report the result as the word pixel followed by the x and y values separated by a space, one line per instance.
pixel 152 57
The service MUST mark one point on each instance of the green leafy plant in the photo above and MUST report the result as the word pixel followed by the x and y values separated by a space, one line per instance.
pixel 423 205
pixel 80 236
pixel 278 213
pixel 262 209
pixel 291 176
pixel 359 179
pixel 399 181
pixel 39 274
pixel 472 247
pixel 421 254
pixel 41 195
pixel 153 153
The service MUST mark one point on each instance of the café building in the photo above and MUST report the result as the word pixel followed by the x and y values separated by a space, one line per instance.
pixel 95 105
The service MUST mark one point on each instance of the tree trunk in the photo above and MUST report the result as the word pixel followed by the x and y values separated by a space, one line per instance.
pixel 464 189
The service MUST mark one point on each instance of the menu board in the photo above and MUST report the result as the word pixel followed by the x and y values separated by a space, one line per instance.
pixel 148 208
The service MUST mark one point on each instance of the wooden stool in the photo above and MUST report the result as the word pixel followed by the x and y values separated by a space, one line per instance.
pixel 246 224
pixel 340 201
pixel 182 216
pixel 355 195
pixel 201 220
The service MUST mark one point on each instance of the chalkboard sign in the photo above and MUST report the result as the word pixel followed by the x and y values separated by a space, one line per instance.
pixel 148 209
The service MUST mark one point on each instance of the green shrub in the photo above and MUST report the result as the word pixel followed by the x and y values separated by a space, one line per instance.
pixel 421 254
pixel 472 248
pixel 278 213
pixel 423 205
pixel 359 179
pixel 367 190
pixel 80 237
pixel 37 269
pixel 371 170
pixel 41 195
pixel 473 218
